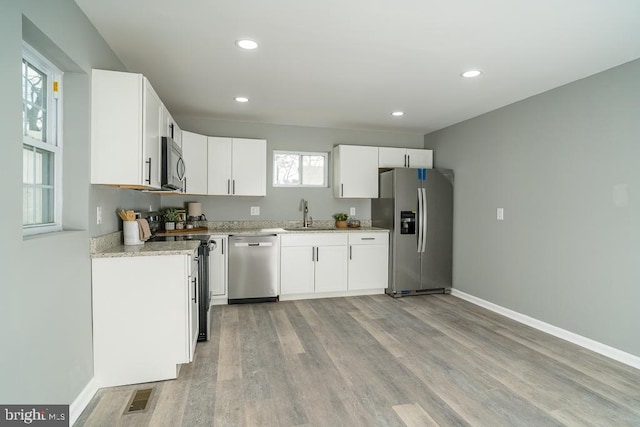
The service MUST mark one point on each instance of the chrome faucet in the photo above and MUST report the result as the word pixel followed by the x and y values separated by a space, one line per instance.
pixel 306 219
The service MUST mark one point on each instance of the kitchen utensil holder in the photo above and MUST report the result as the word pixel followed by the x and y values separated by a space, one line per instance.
pixel 131 233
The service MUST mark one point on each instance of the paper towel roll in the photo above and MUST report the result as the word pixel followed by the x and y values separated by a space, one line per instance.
pixel 194 209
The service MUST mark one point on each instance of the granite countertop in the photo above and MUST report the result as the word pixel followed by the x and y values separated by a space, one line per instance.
pixel 182 247
pixel 110 245
pixel 274 230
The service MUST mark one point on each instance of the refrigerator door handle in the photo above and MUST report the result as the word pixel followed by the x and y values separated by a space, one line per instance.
pixel 424 219
pixel 420 224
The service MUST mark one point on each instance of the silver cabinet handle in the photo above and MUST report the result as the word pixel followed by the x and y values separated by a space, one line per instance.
pixel 341 190
pixel 317 254
pixel 408 160
pixel 195 289
pixel 234 187
pixel 313 253
pixel 350 252
pixel 149 163
pixel 228 186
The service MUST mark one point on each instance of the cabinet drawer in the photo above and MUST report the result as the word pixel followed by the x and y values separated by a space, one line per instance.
pixel 368 238
pixel 314 239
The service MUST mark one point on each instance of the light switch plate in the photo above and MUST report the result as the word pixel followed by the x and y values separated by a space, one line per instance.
pixel 500 214
pixel 99 215
pixel 255 210
pixel 352 211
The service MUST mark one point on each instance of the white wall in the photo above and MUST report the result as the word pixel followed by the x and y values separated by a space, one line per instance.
pixel 564 166
pixel 45 281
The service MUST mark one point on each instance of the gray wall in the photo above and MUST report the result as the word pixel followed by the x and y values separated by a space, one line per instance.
pixel 564 166
pixel 283 203
pixel 45 292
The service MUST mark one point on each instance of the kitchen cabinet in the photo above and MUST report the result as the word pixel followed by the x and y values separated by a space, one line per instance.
pixel 218 270
pixel 193 311
pixel 125 130
pixel 368 261
pixel 194 153
pixel 145 317
pixel 313 263
pixel 237 166
pixel 392 157
pixel 355 171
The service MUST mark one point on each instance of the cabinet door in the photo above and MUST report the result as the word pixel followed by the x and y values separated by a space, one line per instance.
pixel 331 268
pixel 219 166
pixel 355 171
pixel 249 167
pixel 194 323
pixel 194 153
pixel 296 270
pixel 151 136
pixel 420 158
pixel 218 268
pixel 391 157
pixel 116 128
pixel 368 267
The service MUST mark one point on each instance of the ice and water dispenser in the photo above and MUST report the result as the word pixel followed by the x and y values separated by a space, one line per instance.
pixel 407 222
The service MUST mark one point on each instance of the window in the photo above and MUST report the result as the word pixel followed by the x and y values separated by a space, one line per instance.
pixel 41 144
pixel 300 169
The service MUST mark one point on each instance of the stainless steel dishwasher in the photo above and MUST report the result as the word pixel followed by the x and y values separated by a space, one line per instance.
pixel 253 268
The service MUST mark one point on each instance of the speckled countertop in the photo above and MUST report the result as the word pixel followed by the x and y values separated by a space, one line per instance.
pixel 182 247
pixel 110 245
pixel 274 230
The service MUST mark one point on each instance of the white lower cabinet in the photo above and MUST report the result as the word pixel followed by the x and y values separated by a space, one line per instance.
pixel 313 263
pixel 368 261
pixel 145 317
pixel 218 270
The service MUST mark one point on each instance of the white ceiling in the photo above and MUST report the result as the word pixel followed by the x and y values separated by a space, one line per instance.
pixel 350 63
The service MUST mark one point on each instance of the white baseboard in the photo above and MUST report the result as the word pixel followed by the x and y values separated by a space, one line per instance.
pixel 80 403
pixel 598 347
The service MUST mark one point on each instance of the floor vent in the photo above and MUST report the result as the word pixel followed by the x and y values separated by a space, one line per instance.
pixel 139 400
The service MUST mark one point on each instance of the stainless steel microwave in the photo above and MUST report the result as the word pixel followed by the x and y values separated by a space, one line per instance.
pixel 173 167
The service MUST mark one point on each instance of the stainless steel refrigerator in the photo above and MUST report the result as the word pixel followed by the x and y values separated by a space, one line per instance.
pixel 416 205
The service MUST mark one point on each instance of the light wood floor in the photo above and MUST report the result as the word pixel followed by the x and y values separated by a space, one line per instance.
pixel 374 360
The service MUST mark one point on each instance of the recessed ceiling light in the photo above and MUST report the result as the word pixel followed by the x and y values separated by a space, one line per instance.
pixel 241 99
pixel 471 73
pixel 247 44
pixel 397 113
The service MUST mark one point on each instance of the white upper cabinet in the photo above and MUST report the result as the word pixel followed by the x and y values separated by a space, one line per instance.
pixel 237 166
pixel 194 153
pixel 125 130
pixel 392 157
pixel 355 171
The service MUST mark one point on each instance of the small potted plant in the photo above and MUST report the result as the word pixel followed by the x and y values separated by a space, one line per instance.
pixel 171 215
pixel 341 220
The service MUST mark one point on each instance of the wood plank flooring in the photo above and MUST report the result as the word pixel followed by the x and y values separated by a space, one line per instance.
pixel 377 361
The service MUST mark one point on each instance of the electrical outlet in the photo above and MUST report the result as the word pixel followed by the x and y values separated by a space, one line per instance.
pixel 352 211
pixel 500 214
pixel 99 215
pixel 255 210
